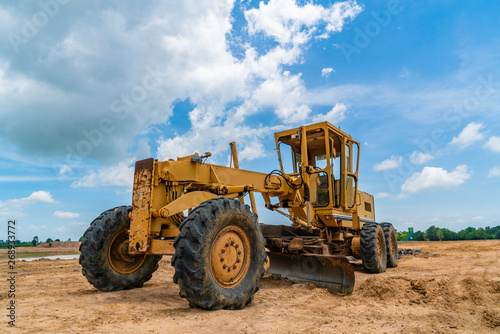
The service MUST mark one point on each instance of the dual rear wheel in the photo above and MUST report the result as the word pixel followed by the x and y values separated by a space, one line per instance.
pixel 379 248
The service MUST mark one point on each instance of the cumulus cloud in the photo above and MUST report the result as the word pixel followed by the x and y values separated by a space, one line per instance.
pixel 495 171
pixel 66 215
pixel 98 101
pixel 39 196
pixel 392 163
pixel 14 208
pixel 285 94
pixel 418 158
pixel 325 72
pixel 433 178
pixel 253 150
pixel 334 116
pixel 120 175
pixel 287 22
pixel 469 135
pixel 493 144
pixel 382 195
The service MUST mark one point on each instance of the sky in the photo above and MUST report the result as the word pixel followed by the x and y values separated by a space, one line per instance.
pixel 89 87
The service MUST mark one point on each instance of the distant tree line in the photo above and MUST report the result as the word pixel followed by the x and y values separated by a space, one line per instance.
pixel 434 233
pixel 33 243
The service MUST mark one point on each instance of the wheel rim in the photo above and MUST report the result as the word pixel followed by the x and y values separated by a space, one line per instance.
pixel 392 245
pixel 380 252
pixel 230 256
pixel 119 258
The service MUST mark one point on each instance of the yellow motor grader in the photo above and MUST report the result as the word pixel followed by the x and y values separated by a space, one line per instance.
pixel 220 248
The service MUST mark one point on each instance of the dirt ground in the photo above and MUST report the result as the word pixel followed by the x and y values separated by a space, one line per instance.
pixel 456 289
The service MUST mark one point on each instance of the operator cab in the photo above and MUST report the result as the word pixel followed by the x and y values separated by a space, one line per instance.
pixel 332 163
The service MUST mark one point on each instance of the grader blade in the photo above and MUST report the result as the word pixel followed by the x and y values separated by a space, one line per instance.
pixel 332 272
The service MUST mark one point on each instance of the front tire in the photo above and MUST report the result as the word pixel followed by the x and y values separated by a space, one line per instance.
pixel 373 248
pixel 219 255
pixel 392 244
pixel 104 258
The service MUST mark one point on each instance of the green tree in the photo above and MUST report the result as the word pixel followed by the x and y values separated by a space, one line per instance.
pixel 35 240
pixel 57 240
pixel 419 236
pixel 432 233
pixel 81 239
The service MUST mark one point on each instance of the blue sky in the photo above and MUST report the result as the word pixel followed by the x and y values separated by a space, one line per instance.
pixel 89 87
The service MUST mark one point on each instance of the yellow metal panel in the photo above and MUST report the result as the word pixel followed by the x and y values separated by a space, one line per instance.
pixel 165 247
pixel 185 202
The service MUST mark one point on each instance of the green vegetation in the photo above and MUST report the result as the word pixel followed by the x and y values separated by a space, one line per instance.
pixel 33 243
pixel 4 244
pixel 434 233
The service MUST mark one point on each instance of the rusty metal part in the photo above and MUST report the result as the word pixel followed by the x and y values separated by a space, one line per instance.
pixel 119 258
pixel 332 272
pixel 296 244
pixel 230 256
pixel 140 218
pixel 356 246
pixel 163 247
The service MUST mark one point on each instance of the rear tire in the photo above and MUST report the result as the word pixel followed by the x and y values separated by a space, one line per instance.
pixel 219 255
pixel 373 248
pixel 104 260
pixel 392 244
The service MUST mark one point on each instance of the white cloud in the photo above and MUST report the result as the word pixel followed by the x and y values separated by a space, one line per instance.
pixel 263 83
pixel 252 150
pixel 214 137
pixel 120 175
pixel 66 215
pixel 418 158
pixel 432 178
pixel 469 135
pixel 287 22
pixel 192 59
pixel 65 170
pixel 286 95
pixel 382 195
pixel 391 163
pixel 493 144
pixel 334 116
pixel 325 72
pixel 495 171
pixel 15 208
pixel 40 196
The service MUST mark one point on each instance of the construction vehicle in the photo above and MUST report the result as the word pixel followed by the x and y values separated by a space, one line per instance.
pixel 219 249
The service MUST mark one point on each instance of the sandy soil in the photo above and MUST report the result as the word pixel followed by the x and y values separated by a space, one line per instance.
pixel 456 289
